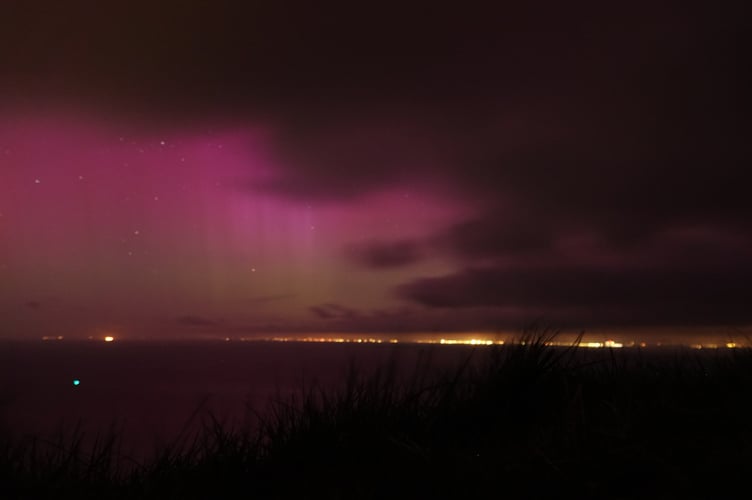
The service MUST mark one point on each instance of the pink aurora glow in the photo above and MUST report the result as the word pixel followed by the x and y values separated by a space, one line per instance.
pixel 108 226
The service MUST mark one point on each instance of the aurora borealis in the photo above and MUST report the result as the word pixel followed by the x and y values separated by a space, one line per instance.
pixel 195 168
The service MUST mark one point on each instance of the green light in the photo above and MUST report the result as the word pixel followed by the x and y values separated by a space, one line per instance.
pixel 76 381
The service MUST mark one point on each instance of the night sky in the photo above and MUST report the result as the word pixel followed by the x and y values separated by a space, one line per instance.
pixel 239 168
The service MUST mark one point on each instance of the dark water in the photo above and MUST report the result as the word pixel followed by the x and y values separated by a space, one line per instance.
pixel 150 390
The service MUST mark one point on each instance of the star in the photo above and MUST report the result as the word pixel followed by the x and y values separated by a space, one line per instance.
pixel 136 232
pixel 37 181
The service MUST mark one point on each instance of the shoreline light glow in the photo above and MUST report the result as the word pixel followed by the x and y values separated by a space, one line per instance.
pixel 443 341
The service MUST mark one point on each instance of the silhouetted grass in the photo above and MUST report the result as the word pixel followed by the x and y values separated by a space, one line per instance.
pixel 523 420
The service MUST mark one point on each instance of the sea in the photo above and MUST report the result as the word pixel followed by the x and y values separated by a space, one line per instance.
pixel 152 393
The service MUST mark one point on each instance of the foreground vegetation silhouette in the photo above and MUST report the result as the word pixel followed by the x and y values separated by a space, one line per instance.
pixel 523 420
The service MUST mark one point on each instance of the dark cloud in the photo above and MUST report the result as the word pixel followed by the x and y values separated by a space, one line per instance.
pixel 601 296
pixel 385 255
pixel 196 321
pixel 690 275
pixel 334 311
pixel 628 119
pixel 497 234
pixel 322 312
pixel 341 312
pixel 381 320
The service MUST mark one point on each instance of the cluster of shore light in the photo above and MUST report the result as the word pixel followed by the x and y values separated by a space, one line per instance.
pixel 442 341
pixel 612 344
pixel 371 340
pixel 106 338
pixel 727 345
pixel 338 340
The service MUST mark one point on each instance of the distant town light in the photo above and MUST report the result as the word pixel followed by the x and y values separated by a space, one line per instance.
pixel 592 345
pixel 109 338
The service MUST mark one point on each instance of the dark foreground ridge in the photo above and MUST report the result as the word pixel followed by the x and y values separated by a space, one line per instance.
pixel 518 421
